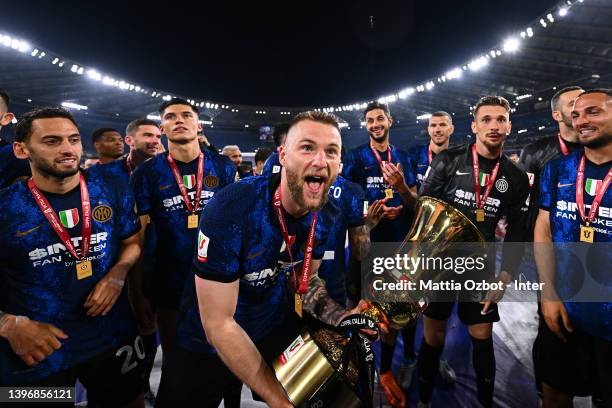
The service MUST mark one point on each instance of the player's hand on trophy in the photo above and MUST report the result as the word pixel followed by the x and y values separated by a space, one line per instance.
pixel 376 211
pixel 32 341
pixel 104 295
pixel 361 307
pixel 555 315
pixel 495 296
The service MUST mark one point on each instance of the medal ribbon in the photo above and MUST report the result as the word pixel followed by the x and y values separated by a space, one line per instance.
pixel 191 207
pixel 480 201
pixel 598 195
pixel 377 155
pixel 302 286
pixel 562 145
pixel 54 220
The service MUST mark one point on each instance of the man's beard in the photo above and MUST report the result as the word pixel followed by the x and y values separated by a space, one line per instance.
pixel 600 142
pixel 297 192
pixel 567 120
pixel 48 171
pixel 439 143
pixel 494 145
pixel 381 138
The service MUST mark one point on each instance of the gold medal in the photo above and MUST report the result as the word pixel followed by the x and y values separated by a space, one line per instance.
pixel 480 215
pixel 298 304
pixel 84 270
pixel 587 234
pixel 192 221
pixel 389 193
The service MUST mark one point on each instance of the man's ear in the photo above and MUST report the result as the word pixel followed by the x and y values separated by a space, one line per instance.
pixel 557 115
pixel 21 150
pixel 282 154
pixel 6 118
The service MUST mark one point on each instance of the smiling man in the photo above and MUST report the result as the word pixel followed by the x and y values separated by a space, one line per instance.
pixel 67 242
pixel 237 315
pixel 575 202
pixel 440 128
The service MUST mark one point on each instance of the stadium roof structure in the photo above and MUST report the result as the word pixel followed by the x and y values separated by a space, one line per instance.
pixel 569 44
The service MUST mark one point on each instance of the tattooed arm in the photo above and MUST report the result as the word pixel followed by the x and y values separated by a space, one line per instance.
pixel 317 301
pixel 359 236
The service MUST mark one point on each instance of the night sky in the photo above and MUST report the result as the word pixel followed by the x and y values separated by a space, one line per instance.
pixel 291 54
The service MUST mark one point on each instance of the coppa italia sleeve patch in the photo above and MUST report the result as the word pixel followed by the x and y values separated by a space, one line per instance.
pixel 203 242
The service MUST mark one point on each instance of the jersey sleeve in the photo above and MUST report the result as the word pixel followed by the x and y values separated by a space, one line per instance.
pixel 127 218
pixel 348 166
pixel 268 167
pixel 409 168
pixel 219 242
pixel 516 230
pixel 140 184
pixel 437 176
pixel 356 205
pixel 546 186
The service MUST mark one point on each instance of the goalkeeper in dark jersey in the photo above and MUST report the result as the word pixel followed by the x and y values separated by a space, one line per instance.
pixel 484 185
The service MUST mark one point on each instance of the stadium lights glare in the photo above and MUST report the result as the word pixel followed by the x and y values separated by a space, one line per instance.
pixel 529 32
pixel 522 131
pixel 154 117
pixel 478 63
pixel 562 12
pixel 71 105
pixel 550 18
pixel 429 85
pixel 543 23
pixel 454 73
pixel 404 94
pixel 424 116
pixel 512 44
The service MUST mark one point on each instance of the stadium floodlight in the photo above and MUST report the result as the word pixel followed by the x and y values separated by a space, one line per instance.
pixel 55 61
pixel 529 32
pixel 33 53
pixel 424 116
pixel 512 44
pixel 429 85
pixel 71 105
pixel 523 34
pixel 543 23
pixel 80 71
pixel 420 88
pixel 550 18
pixel 562 12
pixel 61 64
pixel 154 117
pixel 405 93
pixel 74 68
pixel 454 73
pixel 522 131
pixel 478 63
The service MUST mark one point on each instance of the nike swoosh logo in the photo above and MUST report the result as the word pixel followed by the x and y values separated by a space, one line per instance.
pixel 565 185
pixel 486 313
pixel 162 188
pixel 460 173
pixel 20 234
pixel 255 254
